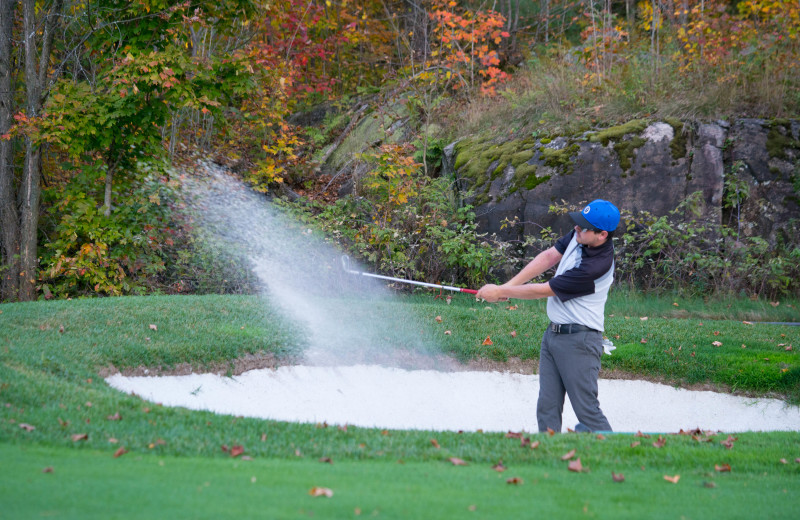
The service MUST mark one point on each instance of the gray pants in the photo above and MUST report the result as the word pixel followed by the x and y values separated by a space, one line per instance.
pixel 570 363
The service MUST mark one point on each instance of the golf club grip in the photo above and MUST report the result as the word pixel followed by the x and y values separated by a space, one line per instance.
pixel 470 291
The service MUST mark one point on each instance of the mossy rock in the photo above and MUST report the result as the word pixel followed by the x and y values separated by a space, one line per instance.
pixel 560 159
pixel 779 141
pixel 616 133
pixel 626 149
pixel 679 140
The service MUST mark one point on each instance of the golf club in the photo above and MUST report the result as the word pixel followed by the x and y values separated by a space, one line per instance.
pixel 346 267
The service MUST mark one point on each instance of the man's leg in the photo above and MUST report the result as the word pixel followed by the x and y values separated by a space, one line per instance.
pixel 551 389
pixel 579 363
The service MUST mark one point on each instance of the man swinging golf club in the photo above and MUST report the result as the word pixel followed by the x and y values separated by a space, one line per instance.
pixel 576 297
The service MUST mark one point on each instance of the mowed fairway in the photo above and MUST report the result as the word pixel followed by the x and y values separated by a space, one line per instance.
pixel 57 412
pixel 94 484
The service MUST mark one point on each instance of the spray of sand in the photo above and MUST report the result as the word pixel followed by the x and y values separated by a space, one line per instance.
pixel 346 319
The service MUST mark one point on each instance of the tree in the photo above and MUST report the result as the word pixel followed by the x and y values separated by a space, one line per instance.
pixel 9 218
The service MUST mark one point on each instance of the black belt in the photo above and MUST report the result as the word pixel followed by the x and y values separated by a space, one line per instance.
pixel 569 328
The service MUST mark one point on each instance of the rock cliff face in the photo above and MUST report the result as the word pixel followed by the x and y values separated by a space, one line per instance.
pixel 643 165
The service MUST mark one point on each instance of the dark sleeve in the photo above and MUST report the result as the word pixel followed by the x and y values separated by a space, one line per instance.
pixel 563 242
pixel 579 281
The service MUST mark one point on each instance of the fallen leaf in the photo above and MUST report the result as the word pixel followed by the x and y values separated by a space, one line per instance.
pixel 115 417
pixel 61 329
pixel 601 437
pixel 575 465
pixel 120 452
pixel 153 327
pixel 48 469
pixel 643 341
pixel 113 440
pixel 513 435
pixel 728 443
pixel 514 334
pixel 487 341
pixel 747 322
pixel 224 448
pixel 512 307
pixel 709 484
pixel 774 304
pixel 784 461
pixel 568 455
pixel 674 479
pixel 236 451
pixel 499 467
pixel 438 319
pixel 326 460
pixel 717 333
pixel 797 460
pixel 514 480
pixel 635 443
pixel 722 467
pixel 644 318
pixel 535 444
pixel 716 343
pixel 457 462
pixel 27 427
pixel 788 348
pixel 435 443
pixel 447 333
pixel 640 434
pixel 524 441
pixel 263 437
pixel 660 442
pixel 320 492
pixel 80 437
pixel 550 432
pixel 617 477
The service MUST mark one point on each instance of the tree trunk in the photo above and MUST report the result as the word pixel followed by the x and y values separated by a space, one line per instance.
pixel 30 188
pixel 9 218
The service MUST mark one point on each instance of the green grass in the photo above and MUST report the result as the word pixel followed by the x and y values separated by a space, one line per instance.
pixel 49 379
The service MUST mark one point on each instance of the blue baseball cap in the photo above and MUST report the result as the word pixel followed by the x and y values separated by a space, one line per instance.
pixel 598 214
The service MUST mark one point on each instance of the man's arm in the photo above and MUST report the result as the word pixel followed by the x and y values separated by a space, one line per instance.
pixel 518 287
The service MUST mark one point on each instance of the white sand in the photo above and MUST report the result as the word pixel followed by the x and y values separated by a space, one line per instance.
pixel 393 398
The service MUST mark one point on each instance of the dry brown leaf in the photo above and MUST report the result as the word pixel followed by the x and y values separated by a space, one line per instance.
pixel 438 319
pixel 457 462
pixel 115 417
pixel 512 307
pixel 487 341
pixel 514 480
pixel 153 327
pixel 635 443
pixel 435 443
pixel 320 492
pixel 513 333
pixel 48 469
pixel 535 444
pixel 660 442
pixel 236 451
pixel 326 460
pixel 784 461
pixel 674 479
pixel 550 432
pixel 568 455
pixel 640 434
pixel 499 467
pixel 722 467
pixel 120 452
pixel 617 477
pixel 513 435
pixel 575 465
pixel 447 333
pixel 601 437
pixel 80 437
pixel 27 427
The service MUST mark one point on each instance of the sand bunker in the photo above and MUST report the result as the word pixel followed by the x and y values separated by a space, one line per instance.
pixel 375 396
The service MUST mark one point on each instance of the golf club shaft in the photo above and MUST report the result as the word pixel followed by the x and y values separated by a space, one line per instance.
pixel 412 282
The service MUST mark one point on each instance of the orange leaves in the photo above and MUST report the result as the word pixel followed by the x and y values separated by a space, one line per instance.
pixel 568 455
pixel 575 466
pixel 487 341
pixel 455 461
pixel 79 437
pixel 674 479
pixel 317 491
pixel 722 468
pixel 120 452
pixel 617 477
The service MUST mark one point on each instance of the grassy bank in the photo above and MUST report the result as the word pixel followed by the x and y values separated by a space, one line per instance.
pixel 56 411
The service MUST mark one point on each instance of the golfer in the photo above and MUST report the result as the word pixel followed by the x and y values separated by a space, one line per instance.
pixel 576 298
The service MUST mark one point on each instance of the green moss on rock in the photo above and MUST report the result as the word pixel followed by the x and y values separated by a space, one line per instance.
pixel 625 151
pixel 616 133
pixel 779 139
pixel 679 140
